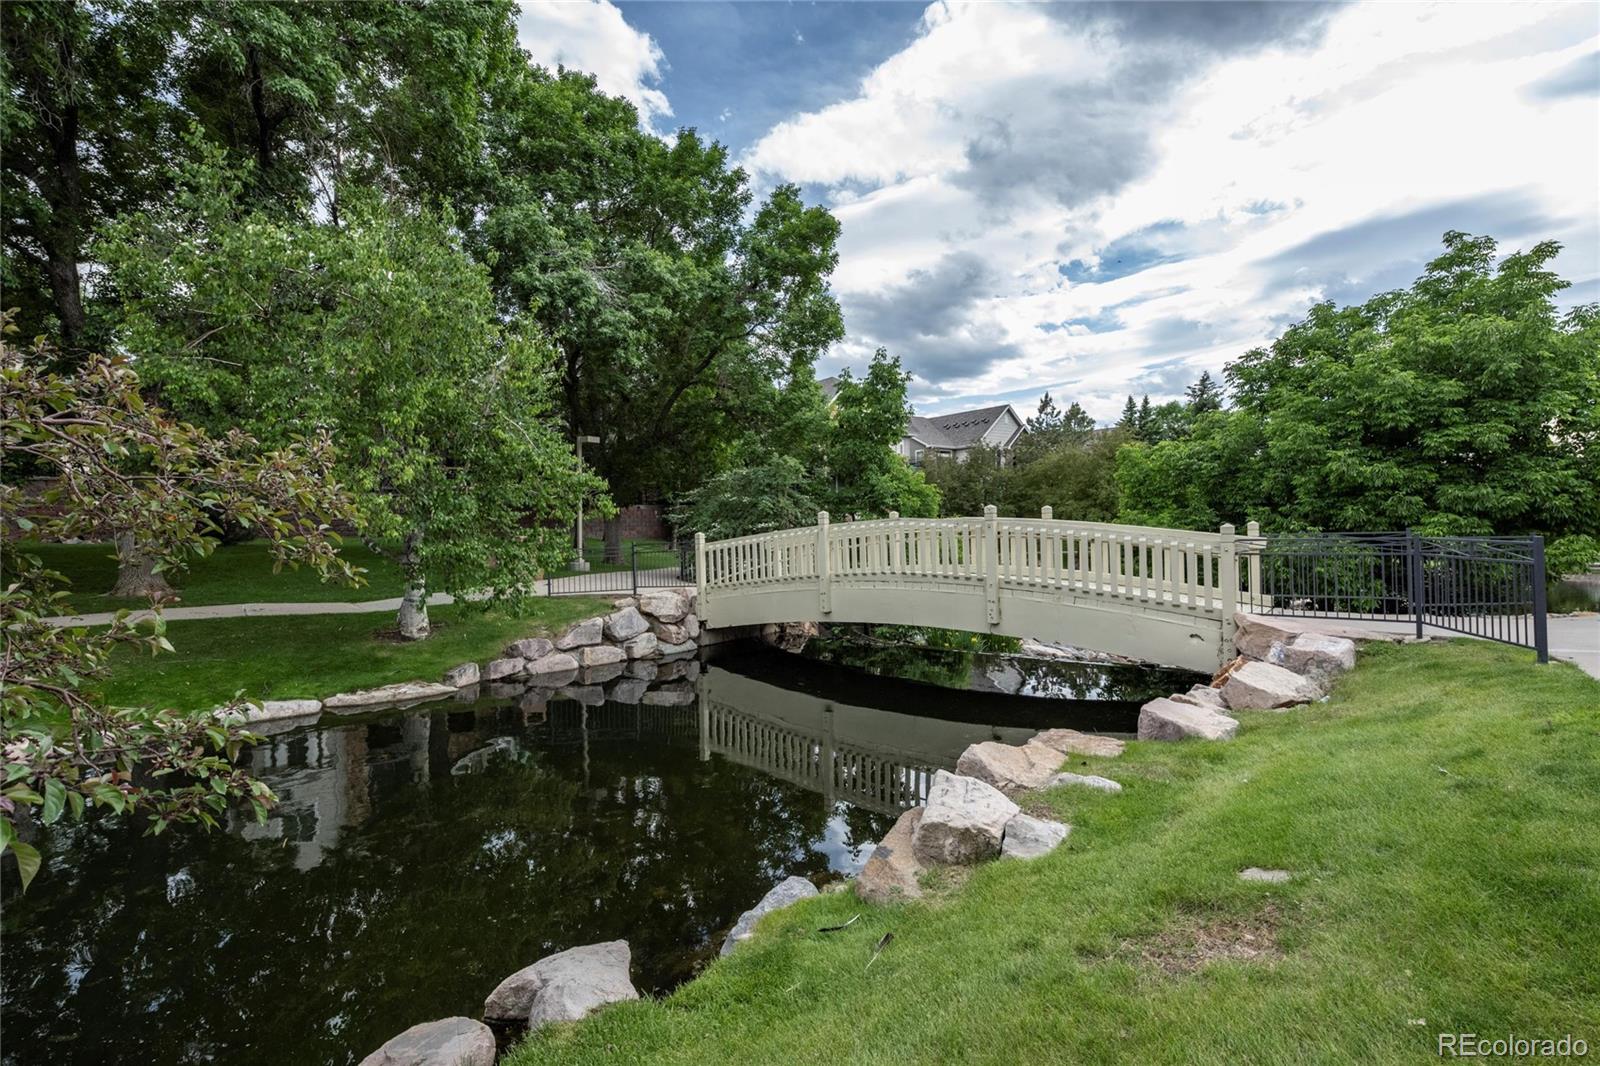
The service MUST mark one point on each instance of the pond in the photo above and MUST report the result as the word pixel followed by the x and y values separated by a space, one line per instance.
pixel 419 856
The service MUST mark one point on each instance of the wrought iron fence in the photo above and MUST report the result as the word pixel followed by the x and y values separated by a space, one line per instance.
pixel 643 564
pixel 1489 587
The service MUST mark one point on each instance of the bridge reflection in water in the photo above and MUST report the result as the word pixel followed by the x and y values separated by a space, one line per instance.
pixel 876 759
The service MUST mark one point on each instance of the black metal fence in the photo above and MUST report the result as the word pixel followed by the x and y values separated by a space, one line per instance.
pixel 1489 587
pixel 644 564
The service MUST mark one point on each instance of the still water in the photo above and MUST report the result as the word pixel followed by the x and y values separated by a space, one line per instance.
pixel 419 856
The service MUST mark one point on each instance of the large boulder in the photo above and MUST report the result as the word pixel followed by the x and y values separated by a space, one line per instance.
pixel 1010 767
pixel 1315 655
pixel 1202 696
pixel 643 646
pixel 557 662
pixel 668 605
pixel 625 624
pixel 893 871
pixel 401 692
pixel 1254 635
pixel 963 821
pixel 563 987
pixel 446 1042
pixel 667 650
pixel 1166 720
pixel 581 634
pixel 643 669
pixel 277 710
pixel 600 675
pixel 789 890
pixel 1072 742
pixel 1027 837
pixel 629 690
pixel 600 655
pixel 501 668
pixel 462 676
pixel 671 632
pixel 1262 687
pixel 530 648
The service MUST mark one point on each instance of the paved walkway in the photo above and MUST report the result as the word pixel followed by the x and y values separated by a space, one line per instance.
pixel 578 585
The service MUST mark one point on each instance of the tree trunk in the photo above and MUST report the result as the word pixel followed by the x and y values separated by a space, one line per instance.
pixel 613 539
pixel 413 617
pixel 137 577
pixel 63 192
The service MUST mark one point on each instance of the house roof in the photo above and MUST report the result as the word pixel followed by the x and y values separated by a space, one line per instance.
pixel 927 434
pixel 829 387
pixel 966 428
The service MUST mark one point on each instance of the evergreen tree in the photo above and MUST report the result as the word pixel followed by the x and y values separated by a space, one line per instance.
pixel 1130 417
pixel 1143 424
pixel 1204 395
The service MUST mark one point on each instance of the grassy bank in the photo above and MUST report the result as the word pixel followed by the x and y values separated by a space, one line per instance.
pixel 318 655
pixel 1440 812
pixel 242 573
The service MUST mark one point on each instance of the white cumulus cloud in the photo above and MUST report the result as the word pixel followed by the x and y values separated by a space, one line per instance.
pixel 594 37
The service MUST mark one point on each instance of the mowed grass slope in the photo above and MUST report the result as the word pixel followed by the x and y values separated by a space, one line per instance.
pixel 1441 812
pixel 312 656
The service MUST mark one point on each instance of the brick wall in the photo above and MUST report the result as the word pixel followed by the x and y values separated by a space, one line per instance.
pixel 640 521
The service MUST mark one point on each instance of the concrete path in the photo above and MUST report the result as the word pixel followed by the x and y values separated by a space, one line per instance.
pixel 581 585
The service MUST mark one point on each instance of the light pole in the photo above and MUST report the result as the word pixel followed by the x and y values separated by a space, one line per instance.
pixel 579 563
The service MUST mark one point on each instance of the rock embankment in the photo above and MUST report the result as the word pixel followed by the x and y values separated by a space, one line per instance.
pixel 1278 667
pixel 649 639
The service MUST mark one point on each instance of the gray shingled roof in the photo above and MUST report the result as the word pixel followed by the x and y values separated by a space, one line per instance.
pixel 928 433
pixel 966 428
pixel 829 387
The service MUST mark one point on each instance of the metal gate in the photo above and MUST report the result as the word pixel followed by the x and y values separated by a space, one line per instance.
pixel 646 564
pixel 1488 587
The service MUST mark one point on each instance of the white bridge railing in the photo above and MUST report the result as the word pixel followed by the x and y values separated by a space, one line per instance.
pixel 1170 570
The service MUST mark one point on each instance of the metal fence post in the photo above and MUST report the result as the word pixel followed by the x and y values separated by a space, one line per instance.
pixel 1541 621
pixel 1415 580
pixel 633 558
pixel 1252 530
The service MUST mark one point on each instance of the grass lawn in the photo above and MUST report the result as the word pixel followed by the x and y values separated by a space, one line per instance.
pixel 318 655
pixel 235 573
pixel 1442 812
pixel 242 573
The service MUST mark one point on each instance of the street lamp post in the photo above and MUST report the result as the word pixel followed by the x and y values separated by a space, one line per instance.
pixel 579 563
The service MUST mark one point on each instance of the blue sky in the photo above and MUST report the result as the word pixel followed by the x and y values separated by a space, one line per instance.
pixel 1097 198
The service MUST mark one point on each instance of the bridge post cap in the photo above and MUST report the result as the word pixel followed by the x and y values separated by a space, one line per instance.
pixel 1252 527
pixel 894 514
pixel 1227 529
pixel 990 511
pixel 822 516
pixel 1046 512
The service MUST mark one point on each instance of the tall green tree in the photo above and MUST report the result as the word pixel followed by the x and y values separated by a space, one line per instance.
pixel 1464 404
pixel 674 305
pixel 869 478
pixel 383 332
pixel 1204 396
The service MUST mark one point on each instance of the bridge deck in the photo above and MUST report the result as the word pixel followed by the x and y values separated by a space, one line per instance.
pixel 1158 594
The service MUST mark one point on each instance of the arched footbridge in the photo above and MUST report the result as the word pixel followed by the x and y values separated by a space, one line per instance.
pixel 1162 595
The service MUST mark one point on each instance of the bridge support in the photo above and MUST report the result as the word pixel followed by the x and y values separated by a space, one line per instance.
pixel 1228 584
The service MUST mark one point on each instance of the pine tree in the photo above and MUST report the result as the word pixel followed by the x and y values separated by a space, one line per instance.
pixel 1204 395
pixel 1130 417
pixel 1142 424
